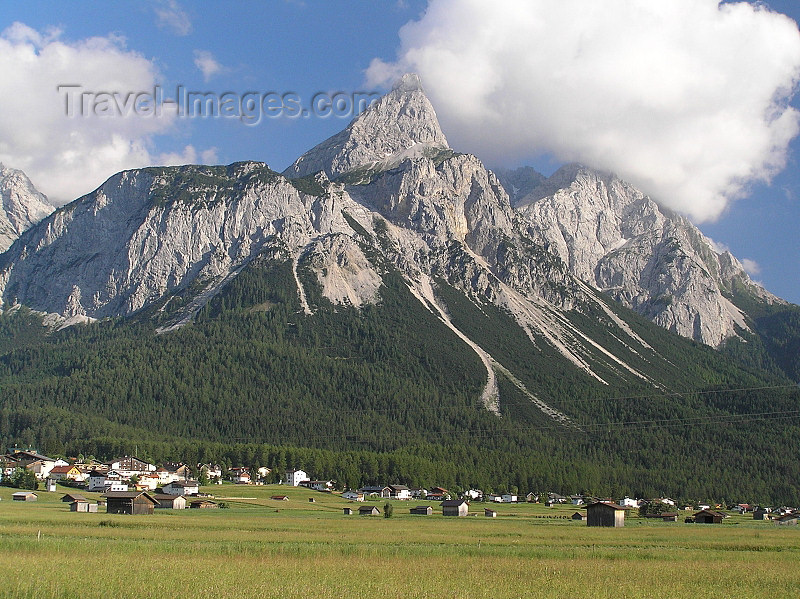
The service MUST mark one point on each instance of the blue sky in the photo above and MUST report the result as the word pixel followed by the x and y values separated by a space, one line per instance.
pixel 308 47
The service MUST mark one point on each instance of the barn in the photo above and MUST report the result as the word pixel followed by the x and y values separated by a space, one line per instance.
pixel 170 502
pixel 83 506
pixel 368 510
pixel 422 510
pixel 601 513
pixel 24 496
pixel 579 516
pixel 130 502
pixel 709 517
pixel 455 507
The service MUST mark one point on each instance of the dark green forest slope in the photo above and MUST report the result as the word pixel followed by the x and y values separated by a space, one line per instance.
pixel 387 393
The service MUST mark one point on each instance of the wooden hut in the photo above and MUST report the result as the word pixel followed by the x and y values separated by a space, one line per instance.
pixel 422 510
pixel 579 516
pixel 203 504
pixel 368 510
pixel 601 513
pixel 130 502
pixel 347 511
pixel 71 497
pixel 24 496
pixel 170 502
pixel 760 514
pixel 83 506
pixel 455 507
pixel 489 513
pixel 708 517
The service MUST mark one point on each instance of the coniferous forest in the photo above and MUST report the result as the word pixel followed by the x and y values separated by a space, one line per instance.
pixel 387 393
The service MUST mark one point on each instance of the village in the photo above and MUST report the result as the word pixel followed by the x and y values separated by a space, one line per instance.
pixel 129 485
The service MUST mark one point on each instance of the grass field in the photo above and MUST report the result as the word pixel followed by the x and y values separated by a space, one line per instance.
pixel 286 549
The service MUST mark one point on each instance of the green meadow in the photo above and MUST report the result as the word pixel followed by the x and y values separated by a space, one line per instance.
pixel 260 547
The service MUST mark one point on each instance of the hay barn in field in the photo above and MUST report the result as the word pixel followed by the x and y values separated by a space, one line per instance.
pixel 605 514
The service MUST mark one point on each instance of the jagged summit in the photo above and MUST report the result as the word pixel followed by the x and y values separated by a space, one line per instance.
pixel 400 120
pixel 21 205
pixel 617 239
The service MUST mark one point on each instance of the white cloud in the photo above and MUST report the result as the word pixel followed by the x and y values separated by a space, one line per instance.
pixel 208 65
pixel 685 98
pixel 67 156
pixel 170 15
pixel 190 155
pixel 751 267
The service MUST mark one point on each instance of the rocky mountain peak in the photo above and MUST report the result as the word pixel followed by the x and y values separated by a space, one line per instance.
pixel 21 205
pixel 614 237
pixel 401 120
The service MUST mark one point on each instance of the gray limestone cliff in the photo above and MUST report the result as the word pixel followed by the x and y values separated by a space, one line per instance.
pixel 618 240
pixel 21 205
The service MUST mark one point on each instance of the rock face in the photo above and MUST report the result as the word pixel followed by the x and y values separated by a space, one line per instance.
pixel 617 239
pixel 21 205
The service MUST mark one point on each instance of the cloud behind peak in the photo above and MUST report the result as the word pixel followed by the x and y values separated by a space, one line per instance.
pixel 688 99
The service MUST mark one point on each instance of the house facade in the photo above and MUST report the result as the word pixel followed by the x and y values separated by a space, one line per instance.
pixel 189 487
pixel 130 466
pixel 399 492
pixel 295 477
pixel 378 491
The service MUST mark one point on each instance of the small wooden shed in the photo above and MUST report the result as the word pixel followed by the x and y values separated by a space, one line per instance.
pixel 788 519
pixel 368 510
pixel 455 507
pixel 489 513
pixel 203 504
pixel 709 517
pixel 579 516
pixel 71 497
pixel 24 496
pixel 601 513
pixel 170 502
pixel 130 502
pixel 347 511
pixel 422 510
pixel 83 506
pixel 760 514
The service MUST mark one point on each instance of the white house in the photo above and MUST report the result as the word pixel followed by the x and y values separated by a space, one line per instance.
pixel 628 502
pixel 400 492
pixel 474 494
pixel 295 477
pixel 212 470
pixel 509 498
pixel 189 487
pixel 41 468
pixel 97 481
pixel 318 485
pixel 353 496
pixel 130 466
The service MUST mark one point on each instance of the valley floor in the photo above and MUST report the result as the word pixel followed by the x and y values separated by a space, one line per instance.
pixel 261 547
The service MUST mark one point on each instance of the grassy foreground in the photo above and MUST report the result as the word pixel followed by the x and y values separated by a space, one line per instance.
pixel 286 549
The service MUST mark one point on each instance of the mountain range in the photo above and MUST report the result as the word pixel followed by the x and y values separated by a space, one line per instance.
pixel 386 282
